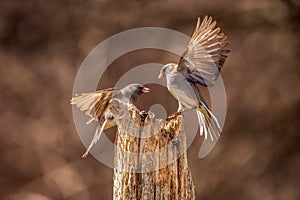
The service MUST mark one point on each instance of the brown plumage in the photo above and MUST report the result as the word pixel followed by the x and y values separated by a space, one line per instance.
pixel 96 103
pixel 97 106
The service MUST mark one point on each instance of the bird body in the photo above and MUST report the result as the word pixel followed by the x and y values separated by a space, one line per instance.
pixel 97 105
pixel 201 63
pixel 181 89
pixel 189 98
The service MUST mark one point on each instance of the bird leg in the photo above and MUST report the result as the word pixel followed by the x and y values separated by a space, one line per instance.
pixel 174 115
pixel 95 139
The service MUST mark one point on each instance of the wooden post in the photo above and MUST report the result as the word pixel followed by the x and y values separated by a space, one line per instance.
pixel 150 157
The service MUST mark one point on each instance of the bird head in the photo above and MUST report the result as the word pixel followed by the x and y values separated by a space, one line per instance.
pixel 132 91
pixel 165 70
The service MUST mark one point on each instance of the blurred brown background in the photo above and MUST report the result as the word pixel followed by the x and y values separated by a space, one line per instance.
pixel 42 44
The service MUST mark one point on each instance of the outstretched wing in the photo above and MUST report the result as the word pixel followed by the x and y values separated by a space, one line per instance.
pixel 205 54
pixel 95 103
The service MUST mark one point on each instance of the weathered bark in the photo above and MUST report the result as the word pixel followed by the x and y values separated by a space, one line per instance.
pixel 150 157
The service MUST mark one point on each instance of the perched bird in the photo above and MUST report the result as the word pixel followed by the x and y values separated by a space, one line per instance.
pixel 97 106
pixel 201 63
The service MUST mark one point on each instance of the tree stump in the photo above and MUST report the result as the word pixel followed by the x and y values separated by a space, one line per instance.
pixel 150 157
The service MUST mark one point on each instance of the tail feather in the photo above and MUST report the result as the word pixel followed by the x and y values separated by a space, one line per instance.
pixel 213 117
pixel 208 123
pixel 201 121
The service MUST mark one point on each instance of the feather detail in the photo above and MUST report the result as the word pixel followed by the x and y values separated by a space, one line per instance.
pixel 201 123
pixel 205 54
pixel 209 123
pixel 95 103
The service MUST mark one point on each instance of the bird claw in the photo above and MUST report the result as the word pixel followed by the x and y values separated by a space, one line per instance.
pixel 85 154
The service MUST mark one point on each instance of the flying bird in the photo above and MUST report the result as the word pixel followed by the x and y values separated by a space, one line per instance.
pixel 97 104
pixel 200 64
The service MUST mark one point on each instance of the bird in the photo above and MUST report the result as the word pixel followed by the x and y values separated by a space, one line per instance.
pixel 97 104
pixel 200 64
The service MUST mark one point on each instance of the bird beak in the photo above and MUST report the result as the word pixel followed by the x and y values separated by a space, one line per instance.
pixel 160 76
pixel 145 90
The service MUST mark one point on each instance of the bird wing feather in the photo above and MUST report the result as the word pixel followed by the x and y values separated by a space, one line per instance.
pixel 205 54
pixel 95 103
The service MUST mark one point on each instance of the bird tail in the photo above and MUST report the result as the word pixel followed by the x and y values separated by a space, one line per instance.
pixel 208 123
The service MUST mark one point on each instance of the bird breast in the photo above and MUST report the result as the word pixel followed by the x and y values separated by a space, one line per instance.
pixel 182 90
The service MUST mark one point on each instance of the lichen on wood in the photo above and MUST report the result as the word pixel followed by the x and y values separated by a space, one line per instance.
pixel 150 156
